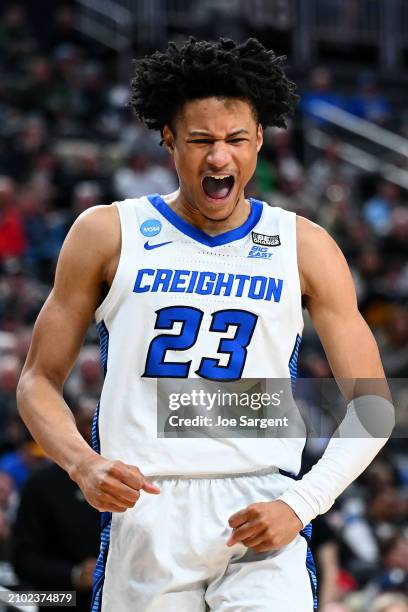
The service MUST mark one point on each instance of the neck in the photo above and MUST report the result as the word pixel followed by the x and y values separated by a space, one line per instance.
pixel 184 209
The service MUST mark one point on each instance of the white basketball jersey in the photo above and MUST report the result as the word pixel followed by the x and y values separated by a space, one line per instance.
pixel 187 305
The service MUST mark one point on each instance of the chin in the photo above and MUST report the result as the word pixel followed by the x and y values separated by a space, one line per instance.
pixel 217 211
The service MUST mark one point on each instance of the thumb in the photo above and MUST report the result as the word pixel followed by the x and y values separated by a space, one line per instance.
pixel 149 487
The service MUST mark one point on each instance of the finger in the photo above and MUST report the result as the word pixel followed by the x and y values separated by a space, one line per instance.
pixel 133 477
pixel 253 541
pixel 108 503
pixel 238 518
pixel 149 487
pixel 120 491
pixel 248 529
pixel 116 508
pixel 111 507
pixel 130 475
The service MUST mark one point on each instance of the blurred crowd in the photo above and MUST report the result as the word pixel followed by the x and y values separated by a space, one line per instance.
pixel 68 141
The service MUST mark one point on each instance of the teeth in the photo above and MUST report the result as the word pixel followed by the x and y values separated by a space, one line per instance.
pixel 219 177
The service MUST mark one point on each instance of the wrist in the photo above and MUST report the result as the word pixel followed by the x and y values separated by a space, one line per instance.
pixel 77 465
pixel 293 516
pixel 300 508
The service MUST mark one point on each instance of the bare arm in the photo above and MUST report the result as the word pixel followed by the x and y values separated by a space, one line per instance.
pixel 58 336
pixel 353 355
pixel 82 269
pixel 329 295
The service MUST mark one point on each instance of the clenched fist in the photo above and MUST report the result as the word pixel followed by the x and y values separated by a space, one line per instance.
pixel 264 526
pixel 110 486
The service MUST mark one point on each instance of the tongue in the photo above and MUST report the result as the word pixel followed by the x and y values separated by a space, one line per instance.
pixel 216 188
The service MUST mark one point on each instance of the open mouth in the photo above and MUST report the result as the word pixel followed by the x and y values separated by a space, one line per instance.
pixel 218 187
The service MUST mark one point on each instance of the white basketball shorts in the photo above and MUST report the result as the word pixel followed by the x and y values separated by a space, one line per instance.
pixel 169 553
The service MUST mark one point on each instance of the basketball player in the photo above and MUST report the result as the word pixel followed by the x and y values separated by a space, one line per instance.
pixel 176 291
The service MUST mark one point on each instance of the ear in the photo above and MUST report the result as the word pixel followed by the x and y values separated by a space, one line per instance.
pixel 168 139
pixel 259 138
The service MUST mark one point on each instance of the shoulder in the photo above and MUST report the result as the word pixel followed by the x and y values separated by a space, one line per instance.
pixel 95 234
pixel 320 259
pixel 91 248
pixel 311 238
pixel 97 219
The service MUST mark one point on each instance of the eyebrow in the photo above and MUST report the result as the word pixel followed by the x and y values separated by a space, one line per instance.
pixel 204 133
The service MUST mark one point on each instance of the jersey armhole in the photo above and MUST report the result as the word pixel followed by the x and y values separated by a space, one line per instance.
pixel 103 309
pixel 296 276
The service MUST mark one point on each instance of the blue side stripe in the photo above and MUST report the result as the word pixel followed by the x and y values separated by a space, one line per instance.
pixel 293 361
pixel 106 517
pixel 95 431
pixel 103 344
pixel 310 564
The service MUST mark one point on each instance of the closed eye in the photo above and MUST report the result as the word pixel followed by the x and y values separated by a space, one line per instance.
pixel 208 141
pixel 202 141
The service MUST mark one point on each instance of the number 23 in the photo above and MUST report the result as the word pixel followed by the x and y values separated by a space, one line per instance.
pixel 191 319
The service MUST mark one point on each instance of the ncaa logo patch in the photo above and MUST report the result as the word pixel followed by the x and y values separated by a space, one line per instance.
pixel 265 240
pixel 151 227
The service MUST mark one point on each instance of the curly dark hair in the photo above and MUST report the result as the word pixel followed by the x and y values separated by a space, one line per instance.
pixel 164 81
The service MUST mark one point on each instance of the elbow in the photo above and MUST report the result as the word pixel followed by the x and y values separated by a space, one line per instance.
pixel 21 391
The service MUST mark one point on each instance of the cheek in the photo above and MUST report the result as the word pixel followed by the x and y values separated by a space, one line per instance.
pixel 248 163
pixel 187 166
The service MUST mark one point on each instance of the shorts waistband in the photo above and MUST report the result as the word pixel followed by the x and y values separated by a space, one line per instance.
pixel 209 476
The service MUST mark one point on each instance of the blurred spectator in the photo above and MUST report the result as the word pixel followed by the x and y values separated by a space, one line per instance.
pixel 370 103
pixel 7 506
pixel 321 90
pixel 390 603
pixel 40 91
pixel 16 38
pixel 12 239
pixel 325 551
pixel 65 30
pixel 377 211
pixel 140 177
pixel 56 533
pixel 86 379
pixel 10 369
pixel 20 463
pixel 394 341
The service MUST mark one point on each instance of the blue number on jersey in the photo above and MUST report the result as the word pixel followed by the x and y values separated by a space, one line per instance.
pixel 191 318
pixel 236 347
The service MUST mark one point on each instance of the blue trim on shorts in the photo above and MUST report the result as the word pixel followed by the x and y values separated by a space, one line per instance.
pixel 310 563
pixel 106 517
pixel 99 573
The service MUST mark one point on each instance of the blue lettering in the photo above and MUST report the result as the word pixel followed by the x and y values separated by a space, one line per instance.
pixel 138 287
pixel 242 278
pixel 254 292
pixel 206 289
pixel 274 289
pixel 192 282
pixel 163 278
pixel 209 283
pixel 224 284
pixel 178 283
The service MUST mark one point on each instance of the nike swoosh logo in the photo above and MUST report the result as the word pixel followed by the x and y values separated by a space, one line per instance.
pixel 149 247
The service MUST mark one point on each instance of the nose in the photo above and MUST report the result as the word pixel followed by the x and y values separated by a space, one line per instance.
pixel 219 156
